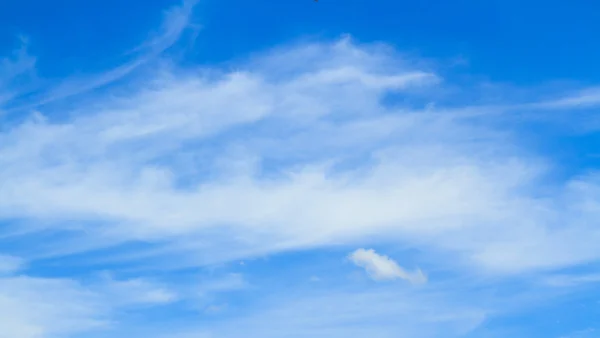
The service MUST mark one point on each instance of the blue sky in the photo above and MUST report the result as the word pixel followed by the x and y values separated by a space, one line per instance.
pixel 229 169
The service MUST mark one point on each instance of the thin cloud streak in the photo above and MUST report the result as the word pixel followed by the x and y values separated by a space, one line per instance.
pixel 175 23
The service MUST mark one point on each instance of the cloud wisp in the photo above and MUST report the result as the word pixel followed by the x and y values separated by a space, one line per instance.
pixel 176 21
pixel 305 147
pixel 264 162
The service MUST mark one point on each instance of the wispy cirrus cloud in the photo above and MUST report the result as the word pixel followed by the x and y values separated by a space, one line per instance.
pixel 343 313
pixel 309 159
pixel 39 307
pixel 10 264
pixel 17 72
pixel 176 21
pixel 309 146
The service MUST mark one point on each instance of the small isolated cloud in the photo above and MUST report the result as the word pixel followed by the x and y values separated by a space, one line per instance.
pixel 380 267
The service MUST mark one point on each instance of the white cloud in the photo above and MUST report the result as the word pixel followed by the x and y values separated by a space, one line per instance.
pixel 586 98
pixel 10 264
pixel 350 313
pixel 302 147
pixel 565 280
pixel 135 291
pixel 16 73
pixel 587 333
pixel 296 150
pixel 380 267
pixel 230 282
pixel 176 21
pixel 40 308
